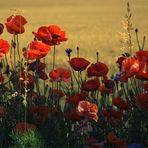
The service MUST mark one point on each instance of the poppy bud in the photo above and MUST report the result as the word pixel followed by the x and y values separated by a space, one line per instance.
pixel 1 28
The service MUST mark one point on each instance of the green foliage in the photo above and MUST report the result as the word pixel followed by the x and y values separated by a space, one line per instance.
pixel 31 139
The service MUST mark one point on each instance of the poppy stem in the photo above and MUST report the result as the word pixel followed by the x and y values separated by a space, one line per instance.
pixel 17 39
pixel 143 42
pixel 137 38
pixel 14 47
pixel 54 54
pixel 78 51
pixel 44 61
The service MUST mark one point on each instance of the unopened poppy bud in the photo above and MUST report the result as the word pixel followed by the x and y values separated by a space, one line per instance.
pixel 136 30
pixel 1 28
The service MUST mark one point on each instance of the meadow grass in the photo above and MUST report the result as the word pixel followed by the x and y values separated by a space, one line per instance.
pixel 91 25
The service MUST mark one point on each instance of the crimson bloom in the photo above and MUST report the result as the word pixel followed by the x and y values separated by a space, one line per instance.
pixel 113 139
pixel 142 55
pixel 23 127
pixel 88 110
pixel 60 74
pixel 79 64
pixel 76 98
pixel 98 69
pixel 142 101
pixel 36 50
pixel 91 85
pixel 120 103
pixel 39 68
pixel 51 35
pixel 4 47
pixel 130 67
pixel 15 24
pixel 57 34
pixel 1 28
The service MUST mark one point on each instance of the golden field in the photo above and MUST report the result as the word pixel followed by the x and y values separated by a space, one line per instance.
pixel 93 25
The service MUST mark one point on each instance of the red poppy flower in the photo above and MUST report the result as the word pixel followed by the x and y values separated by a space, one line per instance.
pixel 130 67
pixel 51 35
pixel 120 103
pixel 73 114
pixel 98 69
pixel 113 117
pixel 43 34
pixel 76 98
pixel 142 55
pixel 143 72
pixel 15 24
pixel 41 113
pixel 39 68
pixel 60 74
pixel 57 93
pixel 24 127
pixel 1 78
pixel 36 50
pixel 79 64
pixel 2 111
pixel 91 85
pixel 57 34
pixel 1 28
pixel 142 101
pixel 103 89
pixel 88 110
pixel 120 60
pixel 113 139
pixel 4 47
pixel 93 143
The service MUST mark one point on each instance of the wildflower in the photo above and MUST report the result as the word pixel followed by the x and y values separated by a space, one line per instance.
pixel 2 111
pixel 23 127
pixel 76 98
pixel 120 103
pixel 130 67
pixel 68 52
pixel 51 35
pixel 91 85
pixel 15 24
pixel 88 110
pixel 142 101
pixel 134 145
pixel 36 50
pixel 79 64
pixel 98 69
pixel 43 34
pixel 142 55
pixel 1 28
pixel 39 68
pixel 113 139
pixel 4 47
pixel 60 74
pixel 57 34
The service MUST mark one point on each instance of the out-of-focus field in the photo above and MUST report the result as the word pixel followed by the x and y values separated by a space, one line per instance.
pixel 93 25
